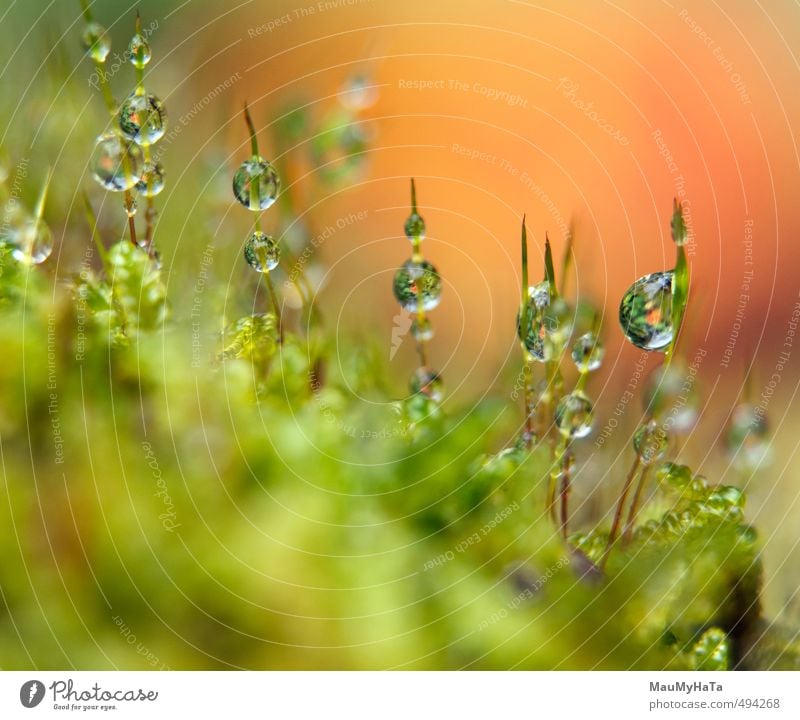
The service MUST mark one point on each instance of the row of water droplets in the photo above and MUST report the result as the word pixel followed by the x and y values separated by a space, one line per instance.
pixel 123 160
pixel 545 324
pixel 256 185
pixel 417 287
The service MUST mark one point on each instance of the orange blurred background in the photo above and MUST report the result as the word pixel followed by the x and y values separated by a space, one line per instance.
pixel 712 89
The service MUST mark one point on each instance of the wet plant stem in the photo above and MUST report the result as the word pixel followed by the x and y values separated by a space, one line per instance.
pixel 634 508
pixel 680 279
pixel 270 285
pixel 524 320
pixel 558 473
pixel 129 201
pixel 417 257
pixel 561 466
pixel 564 491
pixel 626 488
pixel 274 296
pixel 92 221
pixel 150 209
pixel 551 368
pixel 527 376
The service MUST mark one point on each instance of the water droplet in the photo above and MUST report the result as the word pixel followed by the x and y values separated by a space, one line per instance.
pixel 559 318
pixel 670 393
pixel 574 415
pixel 420 410
pixel 698 488
pixel 711 652
pixel 357 93
pixel 96 41
pixel 533 336
pixel 539 295
pixel 747 438
pixel 422 331
pixel 428 382
pixel 724 501
pixel 139 50
pixel 588 352
pixel 650 442
pixel 678 477
pixel 541 391
pixel 526 439
pixel 415 281
pixel 729 494
pixel 747 534
pixel 415 227
pixel 142 119
pixel 645 312
pixel 116 165
pixel 256 184
pixel 12 221
pixel 262 252
pixel 4 165
pixel 152 180
pixel 131 206
pixel 155 257
pixel 33 243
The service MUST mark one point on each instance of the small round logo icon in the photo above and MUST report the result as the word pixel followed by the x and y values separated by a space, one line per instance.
pixel 31 693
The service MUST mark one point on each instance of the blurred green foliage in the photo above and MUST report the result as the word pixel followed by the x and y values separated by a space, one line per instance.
pixel 161 516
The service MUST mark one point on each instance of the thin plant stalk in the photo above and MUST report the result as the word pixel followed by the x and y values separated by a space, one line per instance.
pixel 91 219
pixel 417 257
pixel 680 281
pixel 556 475
pixel 553 375
pixel 626 488
pixel 524 321
pixel 38 213
pixel 562 466
pixel 634 509
pixel 564 493
pixel 566 262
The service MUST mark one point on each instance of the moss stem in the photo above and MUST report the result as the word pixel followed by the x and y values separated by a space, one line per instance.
pixel 91 219
pixel 251 129
pixel 634 508
pixel 626 488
